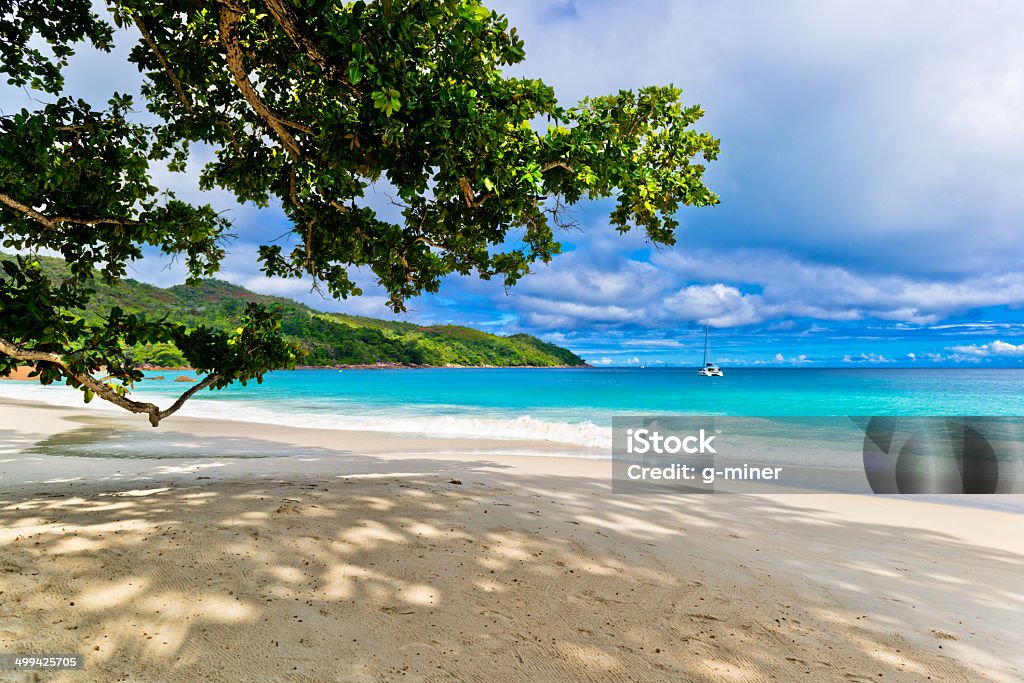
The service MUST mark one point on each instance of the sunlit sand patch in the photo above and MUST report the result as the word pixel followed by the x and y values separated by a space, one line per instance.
pixel 138 493
pixel 77 544
pixel 210 606
pixel 947 578
pixel 136 525
pixel 251 497
pixel 510 548
pixel 203 495
pixel 379 475
pixel 873 569
pixel 316 511
pixel 9 534
pixel 104 597
pixel 491 563
pixel 287 574
pixel 370 535
pixel 190 469
pixel 489 586
pixel 1010 596
pixel 888 655
pixel 601 570
pixel 26 522
pixel 619 522
pixel 165 640
pixel 424 529
pixel 420 594
pixel 375 503
pixel 343 547
pixel 338 582
pixel 103 507
pixel 847 586
pixel 24 506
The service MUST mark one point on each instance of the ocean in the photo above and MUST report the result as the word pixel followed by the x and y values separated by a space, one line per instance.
pixel 572 406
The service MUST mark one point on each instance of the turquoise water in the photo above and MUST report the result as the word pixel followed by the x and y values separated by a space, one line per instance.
pixel 576 405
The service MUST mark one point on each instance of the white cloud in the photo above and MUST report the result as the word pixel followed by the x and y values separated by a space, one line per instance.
pixel 652 343
pixel 882 130
pixel 873 358
pixel 601 361
pixel 686 286
pixel 720 304
pixel 994 348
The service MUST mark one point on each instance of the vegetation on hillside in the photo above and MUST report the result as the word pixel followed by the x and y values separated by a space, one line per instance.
pixel 324 338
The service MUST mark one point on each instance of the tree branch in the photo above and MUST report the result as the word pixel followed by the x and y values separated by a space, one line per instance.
pixel 27 210
pixel 556 164
pixel 52 223
pixel 206 381
pixel 176 82
pixel 472 200
pixel 285 16
pixel 155 49
pixel 229 17
pixel 102 390
pixel 432 243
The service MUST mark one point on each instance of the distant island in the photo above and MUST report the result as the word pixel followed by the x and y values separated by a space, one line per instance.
pixel 327 339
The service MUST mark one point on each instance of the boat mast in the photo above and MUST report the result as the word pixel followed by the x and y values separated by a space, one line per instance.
pixel 706 325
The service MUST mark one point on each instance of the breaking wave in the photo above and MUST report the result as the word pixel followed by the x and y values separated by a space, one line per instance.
pixel 396 419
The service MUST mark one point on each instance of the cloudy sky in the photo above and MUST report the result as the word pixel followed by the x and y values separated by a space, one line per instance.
pixel 872 185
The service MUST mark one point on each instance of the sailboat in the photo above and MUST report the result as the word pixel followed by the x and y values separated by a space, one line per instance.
pixel 709 369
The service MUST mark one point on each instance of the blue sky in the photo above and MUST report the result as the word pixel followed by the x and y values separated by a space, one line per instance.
pixel 871 181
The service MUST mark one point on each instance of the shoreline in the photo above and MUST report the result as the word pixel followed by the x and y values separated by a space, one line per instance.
pixel 460 555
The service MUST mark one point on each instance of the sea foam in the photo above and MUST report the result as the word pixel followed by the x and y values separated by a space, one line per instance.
pixel 523 427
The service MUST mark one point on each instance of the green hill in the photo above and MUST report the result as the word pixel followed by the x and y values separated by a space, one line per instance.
pixel 326 338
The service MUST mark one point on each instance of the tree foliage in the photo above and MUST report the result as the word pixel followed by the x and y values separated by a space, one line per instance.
pixel 305 104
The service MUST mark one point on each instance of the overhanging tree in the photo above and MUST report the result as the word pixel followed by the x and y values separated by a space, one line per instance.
pixel 306 104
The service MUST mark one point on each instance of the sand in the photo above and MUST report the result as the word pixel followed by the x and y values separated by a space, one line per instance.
pixel 345 556
pixel 20 373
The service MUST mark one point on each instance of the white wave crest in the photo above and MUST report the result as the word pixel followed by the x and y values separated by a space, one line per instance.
pixel 523 427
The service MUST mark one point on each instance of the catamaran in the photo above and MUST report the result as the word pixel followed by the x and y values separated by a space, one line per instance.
pixel 709 369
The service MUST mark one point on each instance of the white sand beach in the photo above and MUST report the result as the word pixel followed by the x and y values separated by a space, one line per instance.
pixel 235 551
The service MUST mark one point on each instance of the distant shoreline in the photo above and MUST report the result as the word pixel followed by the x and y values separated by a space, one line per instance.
pixel 390 366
